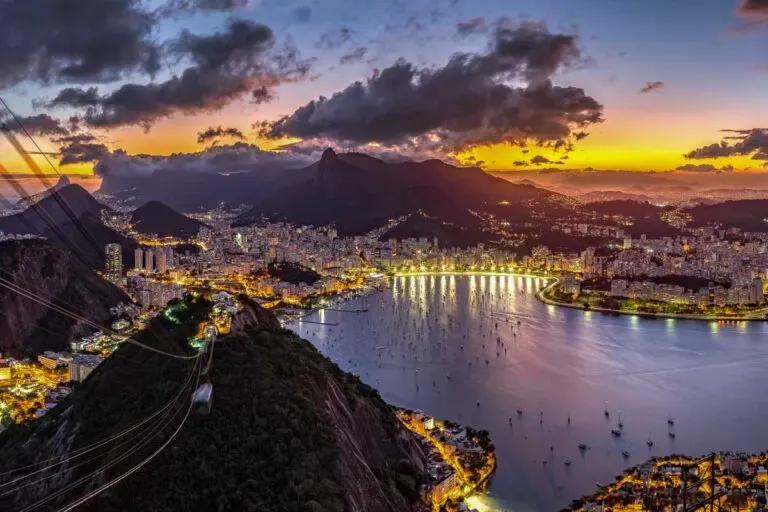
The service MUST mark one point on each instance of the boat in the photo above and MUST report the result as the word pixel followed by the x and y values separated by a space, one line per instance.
pixel 567 463
pixel 519 412
pixel 649 442
pixel 670 421
pixel 671 434
pixel 616 432
pixel 625 454
pixel 606 410
pixel 583 447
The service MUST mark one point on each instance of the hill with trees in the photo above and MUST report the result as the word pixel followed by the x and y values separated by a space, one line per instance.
pixel 156 218
pixel 48 271
pixel 287 430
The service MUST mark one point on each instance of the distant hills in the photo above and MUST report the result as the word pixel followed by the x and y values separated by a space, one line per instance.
pixel 54 207
pixel 48 270
pixel 358 193
pixel 160 219
pixel 746 214
pixel 460 206
pixel 188 191
pixel 71 217
pixel 60 184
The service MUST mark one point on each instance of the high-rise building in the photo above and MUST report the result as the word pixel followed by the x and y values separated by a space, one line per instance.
pixel 138 259
pixel 161 262
pixel 113 256
pixel 169 257
pixel 149 260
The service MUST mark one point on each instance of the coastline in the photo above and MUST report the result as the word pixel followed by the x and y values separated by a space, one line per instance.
pixel 540 295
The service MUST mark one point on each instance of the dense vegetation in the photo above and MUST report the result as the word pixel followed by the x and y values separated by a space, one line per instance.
pixel 291 272
pixel 270 442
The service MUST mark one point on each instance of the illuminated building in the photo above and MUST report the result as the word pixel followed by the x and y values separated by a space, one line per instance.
pixel 113 256
pixel 149 260
pixel 169 257
pixel 138 259
pixel 161 261
pixel 82 365
pixel 5 373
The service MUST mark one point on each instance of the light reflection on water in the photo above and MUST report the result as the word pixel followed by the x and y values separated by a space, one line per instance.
pixel 562 361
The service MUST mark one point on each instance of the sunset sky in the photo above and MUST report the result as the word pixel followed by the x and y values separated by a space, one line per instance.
pixel 668 74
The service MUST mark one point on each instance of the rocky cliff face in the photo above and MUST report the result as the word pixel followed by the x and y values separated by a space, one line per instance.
pixel 52 273
pixel 287 431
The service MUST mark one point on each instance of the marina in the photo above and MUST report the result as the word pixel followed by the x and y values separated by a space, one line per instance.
pixel 549 383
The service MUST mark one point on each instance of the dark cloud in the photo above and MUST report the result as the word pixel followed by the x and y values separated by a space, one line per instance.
pixel 38 125
pixel 539 160
pixel 469 101
pixel 79 152
pixel 239 156
pixel 211 134
pixel 697 168
pixel 471 26
pixel 302 14
pixel 224 66
pixel 262 94
pixel 355 55
pixel 176 6
pixel 748 142
pixel 80 138
pixel 651 86
pixel 753 7
pixel 49 41
pixel 334 38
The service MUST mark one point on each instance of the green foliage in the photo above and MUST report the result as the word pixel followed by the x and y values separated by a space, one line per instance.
pixel 269 442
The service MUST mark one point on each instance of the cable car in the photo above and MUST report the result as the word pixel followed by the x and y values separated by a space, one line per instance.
pixel 202 397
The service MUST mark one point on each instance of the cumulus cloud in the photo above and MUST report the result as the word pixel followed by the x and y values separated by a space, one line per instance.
pixel 471 26
pixel 89 40
pixel 355 55
pixel 539 160
pixel 212 134
pixel 80 152
pixel 504 95
pixel 223 159
pixel 748 142
pixel 224 66
pixel 37 125
pixel 651 86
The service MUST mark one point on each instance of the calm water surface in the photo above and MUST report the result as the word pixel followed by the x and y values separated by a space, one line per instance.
pixel 711 378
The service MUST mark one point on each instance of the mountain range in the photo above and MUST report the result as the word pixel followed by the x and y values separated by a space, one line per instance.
pixel 358 193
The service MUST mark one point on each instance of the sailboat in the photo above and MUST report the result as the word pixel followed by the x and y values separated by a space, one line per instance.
pixel 620 423
pixel 649 442
pixel 606 410
pixel 670 421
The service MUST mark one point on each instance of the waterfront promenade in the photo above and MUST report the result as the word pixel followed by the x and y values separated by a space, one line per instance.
pixel 543 296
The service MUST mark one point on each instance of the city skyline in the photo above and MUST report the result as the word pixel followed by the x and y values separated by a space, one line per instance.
pixel 641 73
